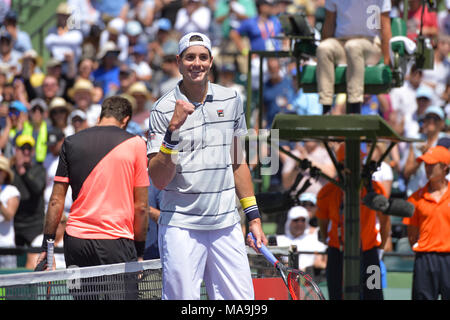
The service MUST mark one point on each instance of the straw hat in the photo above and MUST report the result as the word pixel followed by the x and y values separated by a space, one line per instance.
pixel 107 47
pixel 81 84
pixel 139 87
pixel 64 9
pixel 32 54
pixel 58 102
pixel 5 166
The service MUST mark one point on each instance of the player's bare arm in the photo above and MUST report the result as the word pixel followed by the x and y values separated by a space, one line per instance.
pixel 244 190
pixel 54 212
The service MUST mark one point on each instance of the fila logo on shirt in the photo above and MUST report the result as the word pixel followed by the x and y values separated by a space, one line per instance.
pixel 220 113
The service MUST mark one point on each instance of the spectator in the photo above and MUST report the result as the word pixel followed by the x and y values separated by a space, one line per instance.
pixel 227 78
pixel 107 74
pixel 430 25
pixel 318 155
pixel 163 44
pixel 429 226
pixel 229 15
pixel 4 8
pixel 31 68
pixel 444 25
pixel 305 103
pixel 330 214
pixel 404 103
pixel 85 69
pixel 414 172
pixel 194 16
pixel 135 34
pixel 109 9
pixel 85 15
pixel 144 99
pixel 36 127
pixel 127 78
pixel 9 202
pixel 30 179
pixel 308 201
pixel 18 114
pixel 63 39
pixel 9 56
pixel 437 78
pixel 59 112
pixel 82 95
pixel 138 10
pixel 78 119
pixel 171 77
pixel 278 93
pixel 384 174
pixel 115 33
pixel 260 29
pixel 297 233
pixel 139 63
pixel 348 39
pixel 21 39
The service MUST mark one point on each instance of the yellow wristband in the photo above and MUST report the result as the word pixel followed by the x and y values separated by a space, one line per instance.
pixel 245 52
pixel 167 150
pixel 247 202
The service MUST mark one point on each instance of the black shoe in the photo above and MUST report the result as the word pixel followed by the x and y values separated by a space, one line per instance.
pixel 354 108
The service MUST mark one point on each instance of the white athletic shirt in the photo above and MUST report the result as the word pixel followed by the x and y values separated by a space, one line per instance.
pixel 7 227
pixel 202 194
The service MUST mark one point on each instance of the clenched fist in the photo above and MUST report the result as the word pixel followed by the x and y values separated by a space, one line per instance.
pixel 182 110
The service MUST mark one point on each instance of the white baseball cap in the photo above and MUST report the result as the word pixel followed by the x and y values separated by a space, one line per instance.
pixel 185 42
pixel 298 212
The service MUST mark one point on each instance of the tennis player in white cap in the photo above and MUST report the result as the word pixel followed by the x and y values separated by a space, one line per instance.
pixel 193 131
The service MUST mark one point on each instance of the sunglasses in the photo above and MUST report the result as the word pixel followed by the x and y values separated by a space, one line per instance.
pixel 299 220
pixel 13 112
pixel 26 147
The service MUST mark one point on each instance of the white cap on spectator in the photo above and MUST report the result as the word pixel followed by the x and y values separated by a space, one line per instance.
pixel 186 43
pixel 78 113
pixel 133 28
pixel 116 26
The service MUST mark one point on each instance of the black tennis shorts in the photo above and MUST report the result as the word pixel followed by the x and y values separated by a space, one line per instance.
pixel 93 252
pixel 431 276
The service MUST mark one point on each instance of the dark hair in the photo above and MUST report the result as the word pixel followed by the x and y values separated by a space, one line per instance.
pixel 116 107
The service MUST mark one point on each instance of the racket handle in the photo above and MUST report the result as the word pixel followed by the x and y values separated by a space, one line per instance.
pixel 50 251
pixel 265 251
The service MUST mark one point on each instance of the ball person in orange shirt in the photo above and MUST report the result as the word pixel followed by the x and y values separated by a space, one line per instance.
pixel 374 231
pixel 429 228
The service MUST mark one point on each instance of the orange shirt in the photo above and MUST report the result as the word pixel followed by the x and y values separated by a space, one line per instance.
pixel 329 201
pixel 433 220
pixel 103 165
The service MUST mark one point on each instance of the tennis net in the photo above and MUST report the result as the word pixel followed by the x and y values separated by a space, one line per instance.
pixel 122 281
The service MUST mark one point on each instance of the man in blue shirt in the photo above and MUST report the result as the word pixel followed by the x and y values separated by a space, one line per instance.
pixel 260 30
pixel 107 74
pixel 279 93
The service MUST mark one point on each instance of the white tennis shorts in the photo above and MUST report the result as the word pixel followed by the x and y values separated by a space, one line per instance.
pixel 217 257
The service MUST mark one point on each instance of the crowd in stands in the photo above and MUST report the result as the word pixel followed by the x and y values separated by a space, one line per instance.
pixel 103 48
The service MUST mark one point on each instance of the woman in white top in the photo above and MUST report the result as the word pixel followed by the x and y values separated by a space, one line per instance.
pixel 9 202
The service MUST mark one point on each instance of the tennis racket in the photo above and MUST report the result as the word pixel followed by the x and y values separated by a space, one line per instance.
pixel 47 263
pixel 299 283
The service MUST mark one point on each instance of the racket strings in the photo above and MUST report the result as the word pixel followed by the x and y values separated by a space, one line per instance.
pixel 302 288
